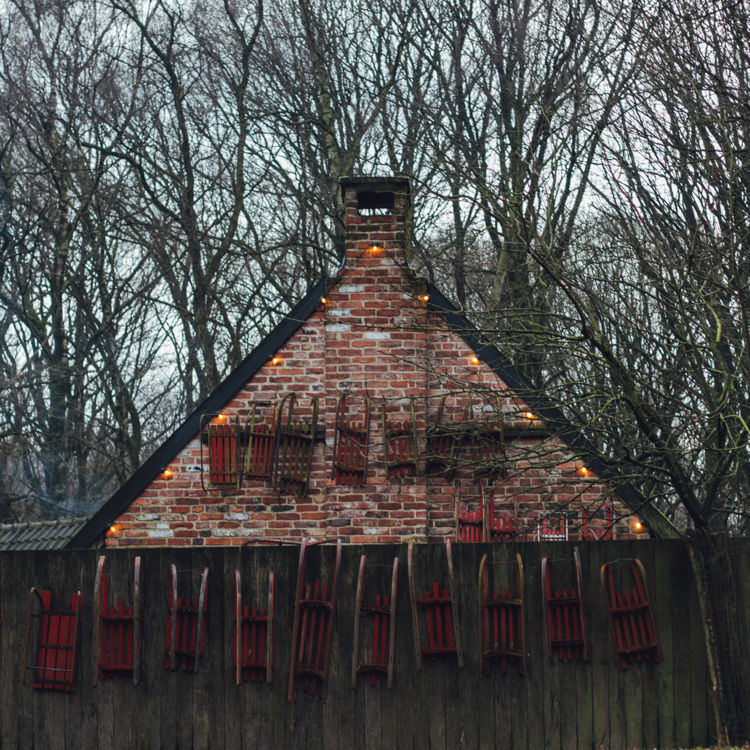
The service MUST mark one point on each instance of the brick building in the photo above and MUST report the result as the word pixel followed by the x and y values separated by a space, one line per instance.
pixel 437 434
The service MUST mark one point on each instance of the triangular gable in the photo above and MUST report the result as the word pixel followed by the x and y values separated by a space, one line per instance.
pixel 438 303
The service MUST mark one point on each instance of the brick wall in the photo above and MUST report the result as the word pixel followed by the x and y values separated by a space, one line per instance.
pixel 375 337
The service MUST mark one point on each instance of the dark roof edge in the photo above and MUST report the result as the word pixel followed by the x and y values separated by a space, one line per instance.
pixel 153 465
pixel 545 408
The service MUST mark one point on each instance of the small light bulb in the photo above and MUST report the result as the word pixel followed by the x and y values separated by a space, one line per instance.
pixel 529 415
pixel 375 248
pixel 275 361
pixel 475 360
pixel 584 470
pixel 424 297
pixel 324 300
pixel 221 416
pixel 113 529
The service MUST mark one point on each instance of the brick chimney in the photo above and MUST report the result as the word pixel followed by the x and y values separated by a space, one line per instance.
pixel 377 219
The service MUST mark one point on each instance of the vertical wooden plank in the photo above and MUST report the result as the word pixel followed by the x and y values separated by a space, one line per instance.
pixel 633 675
pixel 501 578
pixel 454 676
pixel 12 632
pixel 437 671
pixel 119 570
pixel 42 579
pixel 584 671
pixel 265 560
pixel 62 599
pixel 244 725
pixel 77 581
pixel 699 707
pixel 473 711
pixel 662 596
pixel 650 671
pixel 617 697
pixel 171 708
pixel 537 660
pixel 522 730
pixel 147 702
pixel 26 578
pixel 404 666
pixel 424 570
pixel 551 672
pixel 285 569
pixel 564 571
pixel 601 659
pixel 329 711
pixel 680 574
pixel 87 662
pixel 208 689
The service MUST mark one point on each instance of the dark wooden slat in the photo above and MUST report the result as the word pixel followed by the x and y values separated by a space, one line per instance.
pixel 10 664
pixel 650 671
pixel 680 576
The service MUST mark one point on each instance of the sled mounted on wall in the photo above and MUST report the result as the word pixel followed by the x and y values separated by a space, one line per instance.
pixel 220 437
pixel 117 640
pixel 186 626
pixel 502 622
pixel 400 444
pixel 259 448
pixel 312 629
pixel 565 628
pixel 351 446
pixel 440 607
pixel 632 623
pixel 253 635
pixel 58 642
pixel 383 614
pixel 294 448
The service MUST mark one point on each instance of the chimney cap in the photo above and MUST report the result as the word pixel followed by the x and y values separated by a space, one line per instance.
pixel 373 185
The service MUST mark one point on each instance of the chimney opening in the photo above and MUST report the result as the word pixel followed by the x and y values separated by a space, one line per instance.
pixel 375 203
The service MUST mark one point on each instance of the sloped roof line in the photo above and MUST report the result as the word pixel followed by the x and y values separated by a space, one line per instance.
pixel 544 407
pixel 35 535
pixel 541 404
pixel 153 465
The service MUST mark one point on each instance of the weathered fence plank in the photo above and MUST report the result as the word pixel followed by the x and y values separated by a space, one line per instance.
pixel 561 704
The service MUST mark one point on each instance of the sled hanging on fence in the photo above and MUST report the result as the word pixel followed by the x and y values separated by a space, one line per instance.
pixel 632 625
pixel 294 449
pixel 443 444
pixel 260 444
pixel 117 640
pixel 400 443
pixel 441 615
pixel 502 622
pixel 351 446
pixel 58 642
pixel 312 629
pixel 482 525
pixel 221 435
pixel 186 626
pixel 383 613
pixel 565 627
pixel 253 636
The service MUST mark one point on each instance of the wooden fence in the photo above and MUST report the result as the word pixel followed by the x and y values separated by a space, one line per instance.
pixel 560 704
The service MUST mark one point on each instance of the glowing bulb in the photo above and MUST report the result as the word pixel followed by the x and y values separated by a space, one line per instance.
pixel 167 473
pixel 584 470
pixel 475 360
pixel 113 529
pixel 324 300
pixel 376 248
pixel 529 415
pixel 221 416
pixel 275 361
pixel 424 297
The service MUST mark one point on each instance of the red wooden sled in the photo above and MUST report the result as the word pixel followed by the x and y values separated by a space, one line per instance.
pixel 351 446
pixel 253 636
pixel 57 644
pixel 443 443
pixel 117 640
pixel 383 613
pixel 312 629
pixel 565 628
pixel 186 626
pixel 260 444
pixel 502 622
pixel 482 525
pixel 630 617
pixel 401 449
pixel 441 613
pixel 293 448
pixel 221 434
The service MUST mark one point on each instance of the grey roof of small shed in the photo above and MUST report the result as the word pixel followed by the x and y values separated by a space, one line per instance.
pixel 40 534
